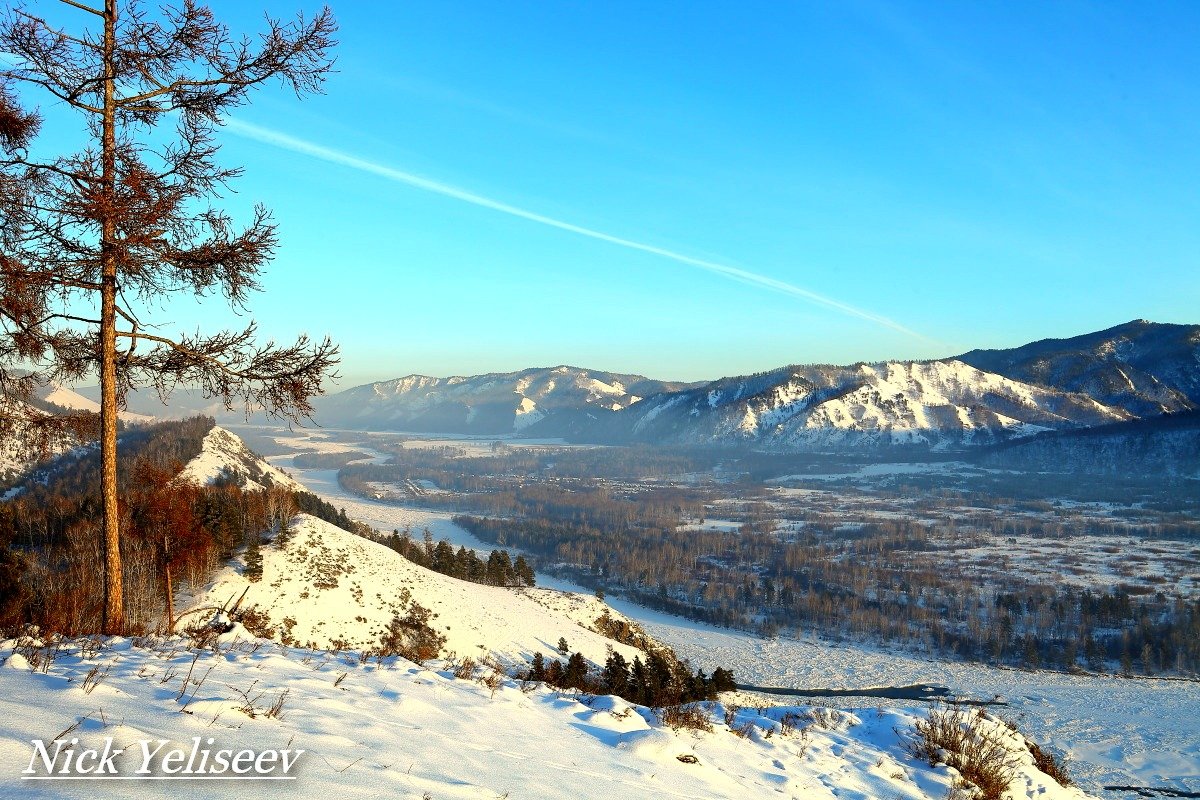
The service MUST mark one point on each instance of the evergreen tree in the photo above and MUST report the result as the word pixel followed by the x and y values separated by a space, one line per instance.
pixel 443 559
pixel 722 680
pixel 616 674
pixel 638 691
pixel 254 562
pixel 575 675
pixel 662 688
pixel 537 670
pixel 524 572
pixel 462 563
pixel 563 647
pixel 554 673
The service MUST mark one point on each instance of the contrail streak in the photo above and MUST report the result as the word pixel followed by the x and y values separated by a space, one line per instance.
pixel 287 142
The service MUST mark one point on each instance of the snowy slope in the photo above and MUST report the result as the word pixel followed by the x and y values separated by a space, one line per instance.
pixel 223 453
pixel 66 398
pixel 1114 731
pixel 393 729
pixel 339 586
pixel 18 450
pixel 932 404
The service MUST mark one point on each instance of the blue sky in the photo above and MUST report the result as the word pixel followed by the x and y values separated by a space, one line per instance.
pixel 940 176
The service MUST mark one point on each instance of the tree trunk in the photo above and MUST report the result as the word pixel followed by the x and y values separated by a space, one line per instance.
pixel 170 590
pixel 114 600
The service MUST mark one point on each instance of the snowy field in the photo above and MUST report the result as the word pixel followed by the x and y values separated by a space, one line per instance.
pixel 1140 732
pixel 972 541
pixel 392 729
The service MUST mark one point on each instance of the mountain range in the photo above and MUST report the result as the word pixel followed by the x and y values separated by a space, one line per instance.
pixel 1133 371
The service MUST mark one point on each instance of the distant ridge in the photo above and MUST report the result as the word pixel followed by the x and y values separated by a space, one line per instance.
pixel 494 403
pixel 1146 368
pixel 1137 370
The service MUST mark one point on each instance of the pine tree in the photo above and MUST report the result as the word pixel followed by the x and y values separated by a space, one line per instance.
pixel 443 559
pixel 537 671
pixel 126 221
pixel 616 674
pixel 524 572
pixel 576 673
pixel 563 647
pixel 638 690
pixel 254 561
pixel 722 680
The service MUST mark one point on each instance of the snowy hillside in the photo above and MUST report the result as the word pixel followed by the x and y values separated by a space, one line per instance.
pixel 337 586
pixel 935 403
pixel 496 403
pixel 223 454
pixel 394 729
pixel 19 449
pixel 63 397
pixel 1144 367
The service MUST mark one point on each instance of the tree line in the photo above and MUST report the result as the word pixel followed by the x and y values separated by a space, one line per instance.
pixel 660 680
pixel 499 569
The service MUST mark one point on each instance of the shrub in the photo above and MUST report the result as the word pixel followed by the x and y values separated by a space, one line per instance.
pixel 690 716
pixel 257 623
pixel 966 740
pixel 1048 763
pixel 411 636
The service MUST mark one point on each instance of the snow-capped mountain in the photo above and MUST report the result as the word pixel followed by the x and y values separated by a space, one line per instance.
pixel 1133 371
pixel 496 403
pixel 929 404
pixel 1146 368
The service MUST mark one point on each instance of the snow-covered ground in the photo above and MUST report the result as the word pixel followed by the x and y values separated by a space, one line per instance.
pixel 395 729
pixel 336 587
pixel 1115 731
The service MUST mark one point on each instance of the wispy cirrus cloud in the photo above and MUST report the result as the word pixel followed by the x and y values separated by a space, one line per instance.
pixel 331 155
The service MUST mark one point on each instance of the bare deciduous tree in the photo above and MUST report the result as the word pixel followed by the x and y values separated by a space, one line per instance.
pixel 86 239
